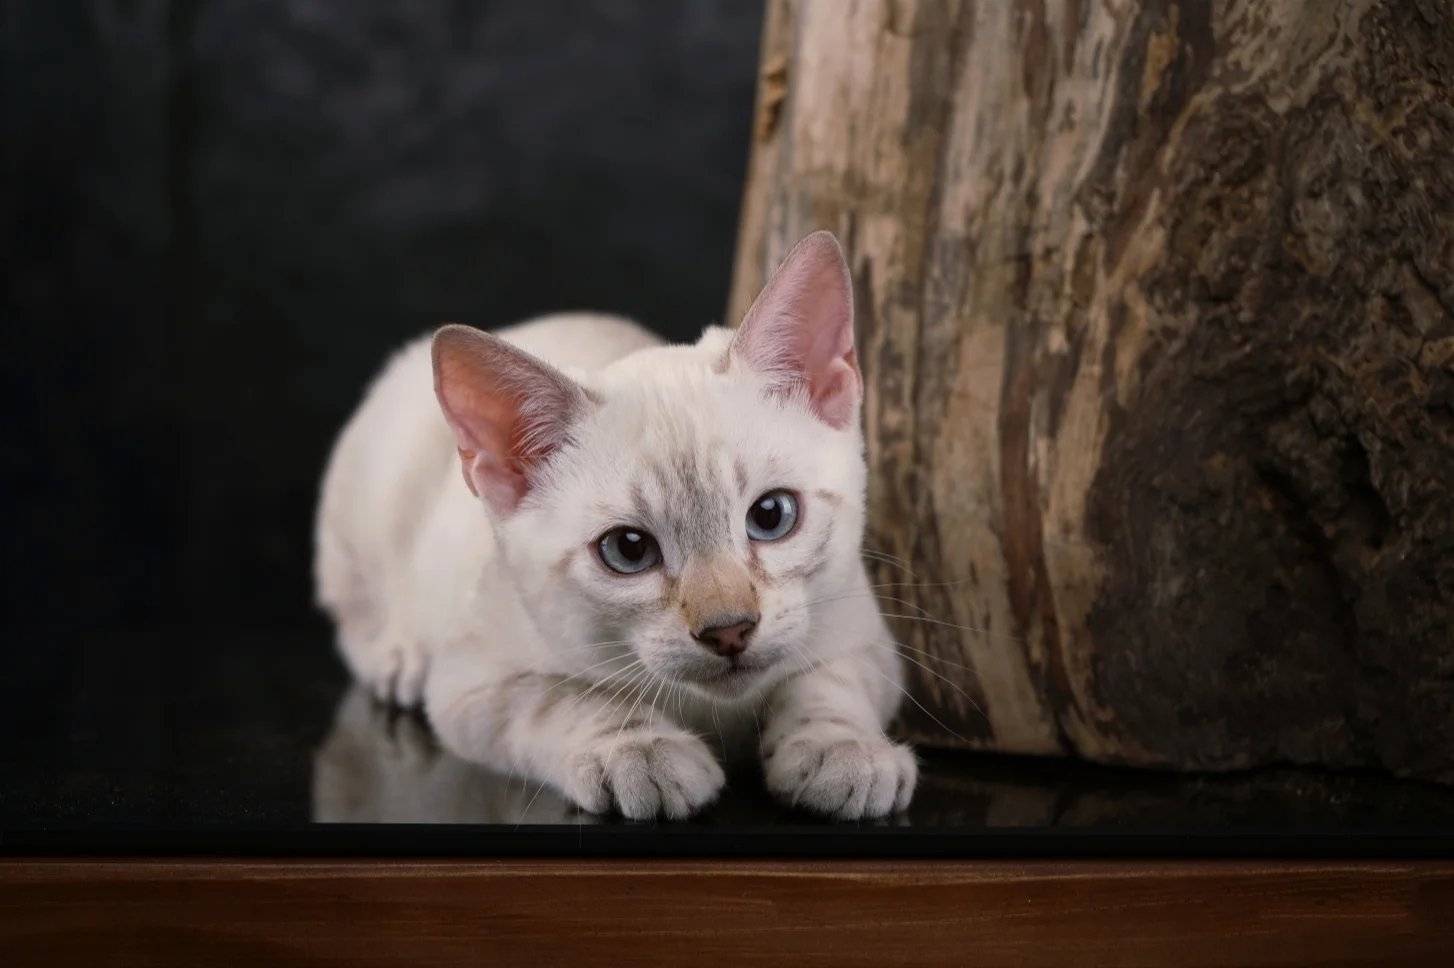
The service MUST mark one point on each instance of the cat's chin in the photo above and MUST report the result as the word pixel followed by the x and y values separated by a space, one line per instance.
pixel 736 681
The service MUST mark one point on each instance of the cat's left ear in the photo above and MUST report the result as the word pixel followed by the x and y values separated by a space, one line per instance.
pixel 799 332
pixel 509 411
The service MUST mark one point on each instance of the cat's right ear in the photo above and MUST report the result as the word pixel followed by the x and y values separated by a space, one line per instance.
pixel 508 410
pixel 799 332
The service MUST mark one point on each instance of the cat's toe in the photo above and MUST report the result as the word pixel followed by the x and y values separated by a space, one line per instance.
pixel 848 779
pixel 586 784
pixel 651 776
pixel 687 776
pixel 395 673
pixel 413 665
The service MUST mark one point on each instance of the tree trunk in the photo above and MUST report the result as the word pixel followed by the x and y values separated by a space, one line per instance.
pixel 1156 313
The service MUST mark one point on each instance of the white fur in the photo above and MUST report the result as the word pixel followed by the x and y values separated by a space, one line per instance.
pixel 530 656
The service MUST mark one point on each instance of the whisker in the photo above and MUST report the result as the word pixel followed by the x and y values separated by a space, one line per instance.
pixel 579 676
pixel 952 625
pixel 930 655
pixel 671 687
pixel 590 687
pixel 602 684
pixel 884 556
pixel 916 618
pixel 950 682
pixel 538 791
pixel 850 596
pixel 640 694
pixel 925 615
pixel 571 650
pixel 897 645
pixel 922 584
pixel 640 671
pixel 916 702
pixel 623 695
pixel 798 655
pixel 887 560
pixel 634 670
pixel 651 706
pixel 855 591
pixel 717 725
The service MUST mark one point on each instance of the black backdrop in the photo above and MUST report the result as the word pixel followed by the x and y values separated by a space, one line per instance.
pixel 219 215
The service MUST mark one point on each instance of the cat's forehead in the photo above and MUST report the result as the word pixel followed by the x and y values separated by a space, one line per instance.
pixel 693 492
pixel 716 439
pixel 685 409
pixel 686 457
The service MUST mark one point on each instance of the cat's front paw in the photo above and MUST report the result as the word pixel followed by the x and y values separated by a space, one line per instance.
pixel 646 775
pixel 394 670
pixel 846 778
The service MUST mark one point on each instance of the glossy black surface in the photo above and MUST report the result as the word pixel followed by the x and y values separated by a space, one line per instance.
pixel 224 740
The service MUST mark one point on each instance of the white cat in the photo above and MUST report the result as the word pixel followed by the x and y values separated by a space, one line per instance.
pixel 651 545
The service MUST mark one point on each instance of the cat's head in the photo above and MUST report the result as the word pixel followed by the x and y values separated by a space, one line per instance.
pixel 685 505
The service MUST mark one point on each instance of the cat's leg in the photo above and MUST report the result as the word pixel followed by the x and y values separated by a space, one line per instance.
pixel 355 603
pixel 596 745
pixel 823 744
pixel 377 640
pixel 392 664
pixel 385 653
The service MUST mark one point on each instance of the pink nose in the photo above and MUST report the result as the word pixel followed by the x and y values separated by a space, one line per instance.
pixel 728 639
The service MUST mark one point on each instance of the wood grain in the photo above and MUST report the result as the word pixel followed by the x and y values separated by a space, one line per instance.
pixel 1156 314
pixel 362 913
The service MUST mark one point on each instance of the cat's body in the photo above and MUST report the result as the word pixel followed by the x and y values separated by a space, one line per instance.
pixel 600 593
pixel 401 541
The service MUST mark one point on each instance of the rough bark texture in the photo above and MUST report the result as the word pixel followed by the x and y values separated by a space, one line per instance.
pixel 1156 312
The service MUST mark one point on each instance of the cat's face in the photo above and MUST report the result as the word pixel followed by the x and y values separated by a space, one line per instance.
pixel 689 503
pixel 691 521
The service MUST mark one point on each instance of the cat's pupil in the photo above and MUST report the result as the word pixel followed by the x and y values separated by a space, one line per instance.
pixel 632 546
pixel 767 514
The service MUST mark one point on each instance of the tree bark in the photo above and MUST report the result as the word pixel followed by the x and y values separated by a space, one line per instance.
pixel 1156 314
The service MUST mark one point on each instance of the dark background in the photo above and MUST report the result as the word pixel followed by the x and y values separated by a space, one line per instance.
pixel 219 215
pixel 216 219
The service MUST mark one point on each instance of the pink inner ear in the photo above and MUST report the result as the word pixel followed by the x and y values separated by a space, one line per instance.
pixel 834 397
pixel 508 410
pixel 799 332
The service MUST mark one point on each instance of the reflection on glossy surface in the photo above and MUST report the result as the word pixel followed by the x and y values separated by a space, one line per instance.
pixel 382 766
pixel 255 730
pixel 379 765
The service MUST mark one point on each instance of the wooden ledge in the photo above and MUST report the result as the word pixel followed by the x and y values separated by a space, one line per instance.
pixel 204 912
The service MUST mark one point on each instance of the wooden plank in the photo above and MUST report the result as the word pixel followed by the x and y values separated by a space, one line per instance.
pixel 198 912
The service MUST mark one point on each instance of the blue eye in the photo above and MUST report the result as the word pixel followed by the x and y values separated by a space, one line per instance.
pixel 772 516
pixel 628 551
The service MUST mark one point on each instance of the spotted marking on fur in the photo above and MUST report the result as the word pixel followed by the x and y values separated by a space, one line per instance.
pixel 670 583
pixel 613 731
pixel 640 507
pixel 699 510
pixel 817 560
pixel 760 574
